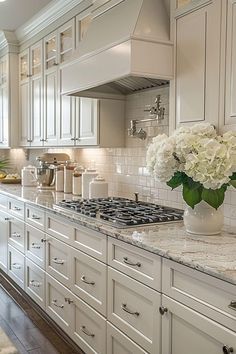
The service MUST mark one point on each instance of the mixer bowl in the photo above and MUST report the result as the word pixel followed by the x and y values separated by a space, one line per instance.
pixel 45 176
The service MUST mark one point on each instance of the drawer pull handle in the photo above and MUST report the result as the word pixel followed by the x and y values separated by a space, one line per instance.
pixel 35 283
pixel 163 310
pixel 8 219
pixel 58 261
pixel 232 305
pixel 35 217
pixel 54 302
pixel 227 350
pixel 15 234
pixel 35 245
pixel 68 300
pixel 85 331
pixel 16 266
pixel 86 281
pixel 16 208
pixel 125 308
pixel 126 261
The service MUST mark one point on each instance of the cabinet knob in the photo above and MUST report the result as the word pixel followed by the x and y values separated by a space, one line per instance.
pixel 232 305
pixel 68 300
pixel 227 349
pixel 163 310
pixel 29 140
pixel 43 139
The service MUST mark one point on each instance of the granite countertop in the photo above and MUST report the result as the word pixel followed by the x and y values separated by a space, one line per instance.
pixel 213 255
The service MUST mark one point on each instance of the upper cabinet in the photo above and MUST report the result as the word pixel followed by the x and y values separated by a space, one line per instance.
pixel 196 89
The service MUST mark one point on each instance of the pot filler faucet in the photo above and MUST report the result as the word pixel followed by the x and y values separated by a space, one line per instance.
pixel 156 110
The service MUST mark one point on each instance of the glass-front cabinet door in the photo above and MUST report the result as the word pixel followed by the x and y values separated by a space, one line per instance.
pixel 66 35
pixel 83 22
pixel 36 59
pixel 50 51
pixel 24 69
pixel 3 70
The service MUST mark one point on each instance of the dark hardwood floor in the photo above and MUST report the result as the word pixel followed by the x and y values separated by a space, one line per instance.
pixel 25 328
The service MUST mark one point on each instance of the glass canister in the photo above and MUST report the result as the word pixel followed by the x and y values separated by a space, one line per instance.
pixel 68 173
pixel 77 180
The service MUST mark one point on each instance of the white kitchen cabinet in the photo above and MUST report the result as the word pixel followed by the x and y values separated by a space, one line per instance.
pixel 88 121
pixel 195 91
pixel 16 266
pixel 35 282
pixel 185 331
pixel 3 240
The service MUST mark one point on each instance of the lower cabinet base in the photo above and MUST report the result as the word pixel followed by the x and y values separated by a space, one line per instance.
pixel 8 284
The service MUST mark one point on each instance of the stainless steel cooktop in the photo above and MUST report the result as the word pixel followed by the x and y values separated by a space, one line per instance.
pixel 121 212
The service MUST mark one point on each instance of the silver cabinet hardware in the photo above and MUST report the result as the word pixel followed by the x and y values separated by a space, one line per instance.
pixel 29 140
pixel 232 305
pixel 43 240
pixel 227 350
pixel 86 281
pixel 8 219
pixel 73 139
pixel 55 64
pixel 35 283
pixel 58 261
pixel 54 302
pixel 125 308
pixel 163 310
pixel 16 266
pixel 126 261
pixel 35 217
pixel 15 234
pixel 68 300
pixel 43 140
pixel 85 331
pixel 28 75
pixel 16 208
pixel 35 245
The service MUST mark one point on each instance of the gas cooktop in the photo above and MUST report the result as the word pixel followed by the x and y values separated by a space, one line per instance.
pixel 121 212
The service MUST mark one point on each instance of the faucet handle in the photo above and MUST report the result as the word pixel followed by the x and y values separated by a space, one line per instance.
pixel 136 196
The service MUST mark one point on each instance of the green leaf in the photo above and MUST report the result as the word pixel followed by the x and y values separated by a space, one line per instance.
pixel 176 180
pixel 214 197
pixel 233 177
pixel 233 183
pixel 192 196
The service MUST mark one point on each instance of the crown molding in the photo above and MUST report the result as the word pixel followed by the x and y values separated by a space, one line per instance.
pixel 45 17
pixel 8 42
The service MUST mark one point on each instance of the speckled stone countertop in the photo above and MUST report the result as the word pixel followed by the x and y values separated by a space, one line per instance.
pixel 214 255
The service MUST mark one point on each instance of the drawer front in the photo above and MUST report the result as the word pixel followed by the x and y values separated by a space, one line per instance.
pixel 139 264
pixel 35 283
pixel 89 280
pixel 35 217
pixel 16 234
pixel 35 245
pixel 91 242
pixel 59 228
pixel 88 328
pixel 16 266
pixel 134 309
pixel 58 260
pixel 56 305
pixel 202 292
pixel 118 343
pixel 16 208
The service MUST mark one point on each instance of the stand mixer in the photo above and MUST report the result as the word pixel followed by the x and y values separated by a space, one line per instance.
pixel 45 172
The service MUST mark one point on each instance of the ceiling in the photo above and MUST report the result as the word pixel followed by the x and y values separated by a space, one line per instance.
pixel 14 13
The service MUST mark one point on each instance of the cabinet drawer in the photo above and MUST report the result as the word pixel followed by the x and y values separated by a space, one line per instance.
pixel 16 208
pixel 89 280
pixel 56 305
pixel 58 262
pixel 202 292
pixel 58 227
pixel 118 343
pixel 88 328
pixel 139 264
pixel 35 282
pixel 16 266
pixel 35 217
pixel 91 242
pixel 16 234
pixel 134 309
pixel 35 242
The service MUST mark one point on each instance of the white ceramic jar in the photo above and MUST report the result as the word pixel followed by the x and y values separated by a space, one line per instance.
pixel 59 175
pixel 68 172
pixel 98 188
pixel 28 177
pixel 77 181
pixel 87 177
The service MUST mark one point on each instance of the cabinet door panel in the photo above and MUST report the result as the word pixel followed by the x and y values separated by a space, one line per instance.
pixel 185 331
pixel 88 121
pixel 3 240
pixel 25 121
pixel 37 111
pixel 4 117
pixel 50 119
pixel 67 120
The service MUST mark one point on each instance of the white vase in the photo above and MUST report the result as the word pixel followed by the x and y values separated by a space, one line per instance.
pixel 203 219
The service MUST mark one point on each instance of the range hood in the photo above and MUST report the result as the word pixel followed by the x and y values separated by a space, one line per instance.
pixel 126 48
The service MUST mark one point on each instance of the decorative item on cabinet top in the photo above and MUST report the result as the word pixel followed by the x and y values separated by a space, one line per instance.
pixel 204 163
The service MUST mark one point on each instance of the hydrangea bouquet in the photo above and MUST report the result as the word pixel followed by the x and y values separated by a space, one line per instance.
pixel 203 162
